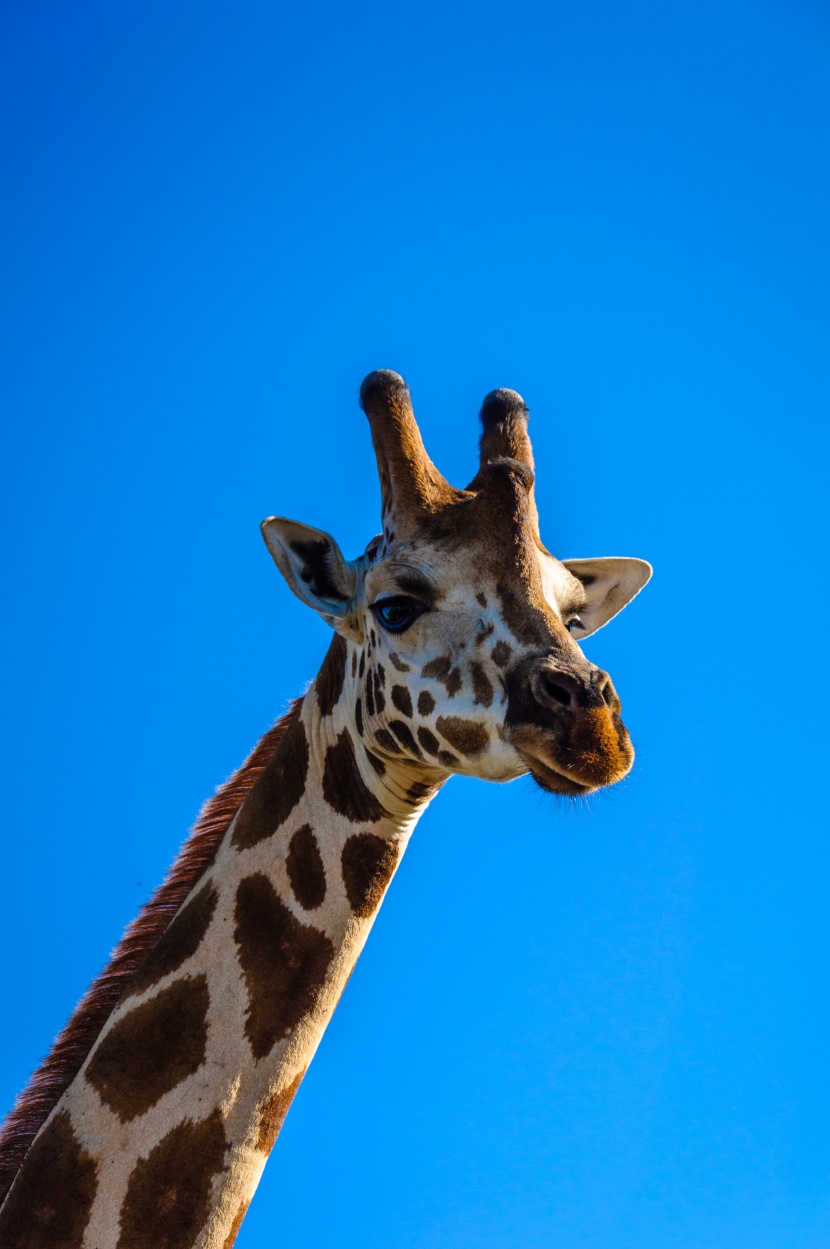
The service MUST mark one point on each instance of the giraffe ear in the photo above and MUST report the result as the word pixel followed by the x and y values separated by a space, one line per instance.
pixel 313 565
pixel 609 585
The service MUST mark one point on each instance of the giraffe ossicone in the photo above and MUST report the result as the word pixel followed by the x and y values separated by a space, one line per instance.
pixel 455 650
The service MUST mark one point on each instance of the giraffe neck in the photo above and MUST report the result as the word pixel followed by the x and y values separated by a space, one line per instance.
pixel 160 1140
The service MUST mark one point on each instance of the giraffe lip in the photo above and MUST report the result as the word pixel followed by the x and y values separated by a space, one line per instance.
pixel 552 779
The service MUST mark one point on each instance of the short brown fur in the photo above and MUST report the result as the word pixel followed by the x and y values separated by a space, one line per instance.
pixel 272 1115
pixel 169 1194
pixel 152 1048
pixel 50 1207
pixel 368 862
pixel 285 963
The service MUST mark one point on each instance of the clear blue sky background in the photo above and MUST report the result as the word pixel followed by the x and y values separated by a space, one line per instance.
pixel 598 1027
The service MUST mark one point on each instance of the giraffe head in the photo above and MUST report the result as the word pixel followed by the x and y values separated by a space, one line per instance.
pixel 463 628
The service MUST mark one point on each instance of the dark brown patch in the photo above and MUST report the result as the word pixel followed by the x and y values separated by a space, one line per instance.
pixel 377 764
pixel 481 599
pixel 484 634
pixel 467 736
pixel 387 742
pixel 426 703
pixel 402 699
pixel 272 1115
pixel 380 697
pixel 419 790
pixel 285 963
pixel 482 688
pixel 230 1239
pixel 304 865
pixel 330 678
pixel 448 760
pixel 367 862
pixel 382 675
pixel 437 668
pixel 370 696
pixel 404 735
pixel 179 942
pixel 277 792
pixel 428 740
pixel 354 664
pixel 344 789
pixel 169 1196
pixel 75 1041
pixel 501 654
pixel 358 717
pixel 362 667
pixel 441 669
pixel 50 1205
pixel 398 663
pixel 152 1049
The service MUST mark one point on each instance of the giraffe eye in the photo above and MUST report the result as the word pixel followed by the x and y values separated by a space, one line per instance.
pixel 574 623
pixel 397 614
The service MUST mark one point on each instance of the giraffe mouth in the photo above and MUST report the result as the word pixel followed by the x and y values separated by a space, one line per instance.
pixel 551 779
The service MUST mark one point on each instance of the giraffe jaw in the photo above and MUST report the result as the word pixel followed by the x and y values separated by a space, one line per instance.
pixel 551 779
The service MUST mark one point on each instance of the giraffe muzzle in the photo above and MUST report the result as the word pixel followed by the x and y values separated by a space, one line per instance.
pixel 565 723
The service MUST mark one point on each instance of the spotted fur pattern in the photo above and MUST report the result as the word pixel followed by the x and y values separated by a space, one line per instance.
pixel 267 939
pixel 150 1124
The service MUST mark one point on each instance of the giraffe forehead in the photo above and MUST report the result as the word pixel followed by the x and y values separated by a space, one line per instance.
pixel 457 573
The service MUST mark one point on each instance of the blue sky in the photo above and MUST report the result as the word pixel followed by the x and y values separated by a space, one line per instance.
pixel 601 1027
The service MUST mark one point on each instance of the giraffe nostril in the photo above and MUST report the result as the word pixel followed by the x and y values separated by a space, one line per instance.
pixel 609 695
pixel 553 689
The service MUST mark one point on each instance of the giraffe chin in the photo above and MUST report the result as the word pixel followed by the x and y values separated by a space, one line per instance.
pixel 553 781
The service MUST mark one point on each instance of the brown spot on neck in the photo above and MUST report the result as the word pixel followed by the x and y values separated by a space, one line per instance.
pixel 304 865
pixel 344 789
pixel 285 963
pixel 387 742
pixel 404 735
pixel 169 1194
pixel 367 862
pixel 329 682
pixel 428 740
pixel 179 942
pixel 272 1115
pixel 74 1043
pixel 152 1048
pixel 278 790
pixel 376 763
pixel 51 1201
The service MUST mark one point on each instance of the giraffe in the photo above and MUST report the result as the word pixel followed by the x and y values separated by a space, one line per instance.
pixel 454 651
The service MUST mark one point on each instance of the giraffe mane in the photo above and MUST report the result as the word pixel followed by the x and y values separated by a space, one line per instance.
pixel 73 1044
